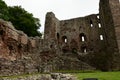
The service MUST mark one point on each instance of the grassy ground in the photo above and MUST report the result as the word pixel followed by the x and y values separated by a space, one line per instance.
pixel 80 75
pixel 100 75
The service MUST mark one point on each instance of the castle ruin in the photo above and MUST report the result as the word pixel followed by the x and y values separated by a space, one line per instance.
pixel 84 43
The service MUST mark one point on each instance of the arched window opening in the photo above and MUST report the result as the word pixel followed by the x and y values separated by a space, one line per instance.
pixel 84 49
pixel 64 39
pixel 99 25
pixel 82 37
pixel 101 37
pixel 91 23
pixel 58 36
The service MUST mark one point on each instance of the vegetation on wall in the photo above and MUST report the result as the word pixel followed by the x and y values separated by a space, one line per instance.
pixel 20 18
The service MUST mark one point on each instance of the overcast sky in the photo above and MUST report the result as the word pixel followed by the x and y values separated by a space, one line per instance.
pixel 63 9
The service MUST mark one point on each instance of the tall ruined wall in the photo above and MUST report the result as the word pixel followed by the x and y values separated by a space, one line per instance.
pixel 115 11
pixel 18 53
pixel 21 54
pixel 69 34
pixel 109 16
pixel 107 20
pixel 51 29
pixel 94 38
pixel 82 34
pixel 14 43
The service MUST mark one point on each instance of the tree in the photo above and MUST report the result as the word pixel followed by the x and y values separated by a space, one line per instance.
pixel 21 19
pixel 24 21
pixel 4 14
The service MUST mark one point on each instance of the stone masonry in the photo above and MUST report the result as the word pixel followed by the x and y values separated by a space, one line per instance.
pixel 83 43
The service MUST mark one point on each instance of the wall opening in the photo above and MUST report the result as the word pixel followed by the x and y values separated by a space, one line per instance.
pixel 51 46
pixel 64 39
pixel 101 37
pixel 82 37
pixel 58 36
pixel 98 16
pixel 91 23
pixel 84 49
pixel 1 32
pixel 99 25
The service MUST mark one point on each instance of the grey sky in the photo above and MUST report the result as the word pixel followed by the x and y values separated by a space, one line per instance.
pixel 63 9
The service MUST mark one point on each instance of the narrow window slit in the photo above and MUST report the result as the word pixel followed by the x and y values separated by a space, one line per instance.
pixel 83 38
pixel 91 23
pixel 99 25
pixel 84 49
pixel 101 37
pixel 98 16
pixel 64 39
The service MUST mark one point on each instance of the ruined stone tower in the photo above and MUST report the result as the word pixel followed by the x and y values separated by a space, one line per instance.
pixel 96 34
pixel 89 33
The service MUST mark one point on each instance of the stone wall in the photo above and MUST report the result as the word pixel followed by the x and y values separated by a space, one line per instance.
pixel 14 43
pixel 18 52
pixel 95 38
pixel 53 76
pixel 21 54
pixel 109 16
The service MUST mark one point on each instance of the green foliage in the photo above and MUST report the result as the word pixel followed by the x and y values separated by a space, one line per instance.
pixel 21 19
pixel 4 14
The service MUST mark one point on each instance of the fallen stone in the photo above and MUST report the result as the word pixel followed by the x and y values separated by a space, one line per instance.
pixel 90 79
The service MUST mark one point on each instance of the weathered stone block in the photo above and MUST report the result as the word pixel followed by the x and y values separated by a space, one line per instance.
pixel 24 39
pixel 90 79
pixel 33 42
pixel 12 34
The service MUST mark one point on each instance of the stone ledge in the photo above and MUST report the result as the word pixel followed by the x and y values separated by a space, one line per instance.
pixel 52 76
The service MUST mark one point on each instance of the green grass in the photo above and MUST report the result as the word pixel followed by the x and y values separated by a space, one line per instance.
pixel 75 71
pixel 80 75
pixel 99 75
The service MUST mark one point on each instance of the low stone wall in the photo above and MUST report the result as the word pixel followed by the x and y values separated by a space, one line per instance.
pixel 53 76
